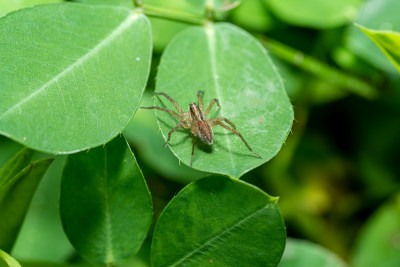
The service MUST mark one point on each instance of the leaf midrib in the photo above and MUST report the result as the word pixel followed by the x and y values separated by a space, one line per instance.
pixel 131 18
pixel 210 36
pixel 216 237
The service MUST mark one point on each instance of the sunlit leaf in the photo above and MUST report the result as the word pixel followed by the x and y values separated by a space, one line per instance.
pixel 11 5
pixel 219 221
pixel 302 253
pixel 18 183
pixel 75 84
pixel 105 205
pixel 387 41
pixel 7 260
pixel 320 14
pixel 226 63
pixel 376 15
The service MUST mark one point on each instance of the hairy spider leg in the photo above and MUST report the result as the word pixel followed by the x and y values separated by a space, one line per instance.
pixel 194 143
pixel 173 102
pixel 235 132
pixel 199 93
pixel 181 124
pixel 176 115
pixel 222 119
pixel 211 105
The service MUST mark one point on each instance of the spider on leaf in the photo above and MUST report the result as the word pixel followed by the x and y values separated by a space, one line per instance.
pixel 196 120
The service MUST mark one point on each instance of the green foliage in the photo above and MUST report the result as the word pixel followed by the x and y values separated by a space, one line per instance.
pixel 18 183
pixel 105 205
pixel 7 260
pixel 207 224
pixel 301 253
pixel 72 76
pixel 249 90
pixel 320 14
pixel 387 41
pixel 376 15
pixel 379 241
pixel 70 99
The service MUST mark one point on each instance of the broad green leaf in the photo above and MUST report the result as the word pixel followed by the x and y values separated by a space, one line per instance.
pixel 71 75
pixel 144 133
pixel 302 253
pixel 376 15
pixel 17 186
pixel 219 221
pixel 387 41
pixel 379 242
pixel 319 14
pixel 105 205
pixel 41 237
pixel 11 5
pixel 226 63
pixel 7 260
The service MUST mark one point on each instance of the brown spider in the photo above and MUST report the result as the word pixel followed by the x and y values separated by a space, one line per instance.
pixel 196 120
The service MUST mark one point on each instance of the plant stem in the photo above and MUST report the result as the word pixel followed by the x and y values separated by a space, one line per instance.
pixel 318 68
pixel 173 15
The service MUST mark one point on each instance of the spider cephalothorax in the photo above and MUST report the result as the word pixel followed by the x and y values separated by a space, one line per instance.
pixel 197 121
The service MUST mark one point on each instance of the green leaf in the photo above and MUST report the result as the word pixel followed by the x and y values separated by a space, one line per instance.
pixel 379 242
pixel 105 205
pixel 41 237
pixel 387 41
pixel 302 253
pixel 7 260
pixel 377 15
pixel 219 221
pixel 226 63
pixel 7 149
pixel 319 14
pixel 17 186
pixel 11 5
pixel 76 84
pixel 144 133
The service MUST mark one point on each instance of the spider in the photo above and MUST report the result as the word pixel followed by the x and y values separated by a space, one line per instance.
pixel 196 120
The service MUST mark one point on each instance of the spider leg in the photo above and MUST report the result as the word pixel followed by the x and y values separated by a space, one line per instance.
pixel 173 130
pixel 222 119
pixel 235 132
pixel 173 102
pixel 194 143
pixel 176 115
pixel 211 105
pixel 199 93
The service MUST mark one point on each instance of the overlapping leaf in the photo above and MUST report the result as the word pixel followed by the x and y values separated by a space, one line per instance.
pixel 207 224
pixel 105 205
pixel 71 75
pixel 226 63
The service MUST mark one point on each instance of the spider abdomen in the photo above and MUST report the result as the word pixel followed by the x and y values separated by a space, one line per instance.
pixel 205 132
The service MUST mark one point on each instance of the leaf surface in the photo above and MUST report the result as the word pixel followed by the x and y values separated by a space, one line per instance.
pixel 18 183
pixel 105 205
pixel 387 41
pixel 230 65
pixel 302 253
pixel 71 75
pixel 377 15
pixel 8 260
pixel 207 224
pixel 320 14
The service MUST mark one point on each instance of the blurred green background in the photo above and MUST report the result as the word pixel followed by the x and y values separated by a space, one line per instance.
pixel 337 175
